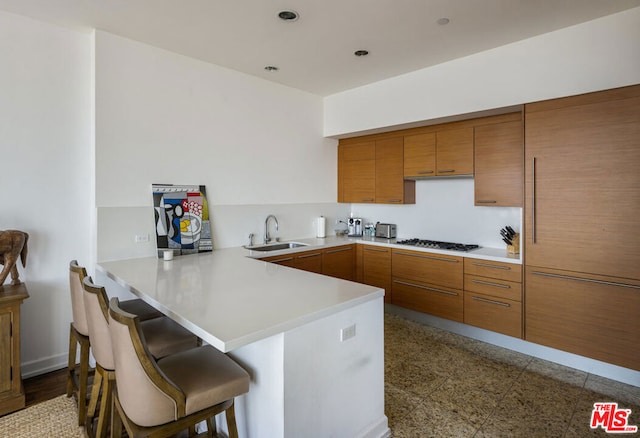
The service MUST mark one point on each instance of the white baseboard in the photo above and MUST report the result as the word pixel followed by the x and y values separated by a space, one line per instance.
pixel 43 366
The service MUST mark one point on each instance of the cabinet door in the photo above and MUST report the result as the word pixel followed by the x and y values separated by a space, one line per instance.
pixel 420 155
pixel 357 172
pixel 436 300
pixel 376 267
pixel 454 152
pixel 592 316
pixel 389 171
pixel 340 262
pixel 582 183
pixel 6 347
pixel 309 261
pixel 498 172
pixel 430 268
pixel 495 314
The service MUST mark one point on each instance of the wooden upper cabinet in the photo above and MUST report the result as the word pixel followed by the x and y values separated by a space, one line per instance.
pixel 391 188
pixel 582 183
pixel 420 155
pixel 499 159
pixel 357 172
pixel 441 153
pixel 454 152
pixel 372 171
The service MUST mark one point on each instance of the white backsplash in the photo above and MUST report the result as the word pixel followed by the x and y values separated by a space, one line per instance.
pixel 444 211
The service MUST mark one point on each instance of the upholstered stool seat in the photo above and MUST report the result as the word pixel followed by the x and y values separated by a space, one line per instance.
pixel 162 397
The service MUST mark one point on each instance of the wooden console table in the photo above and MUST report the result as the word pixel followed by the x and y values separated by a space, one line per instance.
pixel 11 389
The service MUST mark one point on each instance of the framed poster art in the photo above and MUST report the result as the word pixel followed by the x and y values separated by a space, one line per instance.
pixel 181 219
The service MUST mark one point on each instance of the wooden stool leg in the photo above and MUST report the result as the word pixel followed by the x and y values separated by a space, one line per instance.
pixel 230 413
pixel 83 382
pixel 71 365
pixel 211 427
pixel 93 402
pixel 116 420
pixel 105 404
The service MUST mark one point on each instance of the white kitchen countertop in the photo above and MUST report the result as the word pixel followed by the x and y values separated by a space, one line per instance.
pixel 231 300
pixel 485 253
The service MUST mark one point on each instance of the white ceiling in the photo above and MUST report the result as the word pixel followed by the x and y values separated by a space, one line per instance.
pixel 315 53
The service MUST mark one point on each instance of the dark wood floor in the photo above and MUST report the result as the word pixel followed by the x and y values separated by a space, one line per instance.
pixel 45 387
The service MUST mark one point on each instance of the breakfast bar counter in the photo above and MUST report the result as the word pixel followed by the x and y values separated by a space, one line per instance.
pixel 312 344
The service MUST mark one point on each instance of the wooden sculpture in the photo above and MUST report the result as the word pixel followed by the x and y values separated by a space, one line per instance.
pixel 13 243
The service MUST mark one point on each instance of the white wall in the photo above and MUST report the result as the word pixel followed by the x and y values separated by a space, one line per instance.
pixel 592 56
pixel 166 118
pixel 45 145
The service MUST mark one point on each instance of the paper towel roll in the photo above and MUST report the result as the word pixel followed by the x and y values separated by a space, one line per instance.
pixel 321 225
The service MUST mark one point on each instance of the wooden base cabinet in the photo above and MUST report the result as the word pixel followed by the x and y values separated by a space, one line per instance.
pixel 493 296
pixel 340 262
pixel 589 315
pixel 429 283
pixel 11 389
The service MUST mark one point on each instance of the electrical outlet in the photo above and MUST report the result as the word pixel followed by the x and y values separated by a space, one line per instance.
pixel 141 238
pixel 347 333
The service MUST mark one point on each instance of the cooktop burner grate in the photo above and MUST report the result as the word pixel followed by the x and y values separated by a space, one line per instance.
pixel 434 244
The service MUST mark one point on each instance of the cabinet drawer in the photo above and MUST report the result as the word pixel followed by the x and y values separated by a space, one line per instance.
pixel 436 300
pixel 498 315
pixel 489 268
pixel 438 269
pixel 508 290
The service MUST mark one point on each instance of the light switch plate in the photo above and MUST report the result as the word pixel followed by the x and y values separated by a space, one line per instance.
pixel 347 333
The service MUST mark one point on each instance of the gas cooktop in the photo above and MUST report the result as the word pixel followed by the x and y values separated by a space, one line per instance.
pixel 434 244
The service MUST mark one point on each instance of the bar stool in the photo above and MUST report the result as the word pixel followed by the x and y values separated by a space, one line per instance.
pixel 155 398
pixel 79 335
pixel 165 337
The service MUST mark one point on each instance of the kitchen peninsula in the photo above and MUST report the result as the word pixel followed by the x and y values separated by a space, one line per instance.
pixel 312 344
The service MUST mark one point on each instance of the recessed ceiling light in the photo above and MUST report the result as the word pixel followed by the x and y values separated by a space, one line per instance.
pixel 442 21
pixel 271 68
pixel 288 15
pixel 361 52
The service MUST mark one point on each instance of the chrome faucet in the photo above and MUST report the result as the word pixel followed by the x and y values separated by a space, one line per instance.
pixel 267 239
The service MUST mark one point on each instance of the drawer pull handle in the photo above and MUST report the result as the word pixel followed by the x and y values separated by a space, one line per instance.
pixel 304 256
pixel 427 257
pixel 424 172
pixel 331 251
pixel 486 265
pixel 588 280
pixel 447 171
pixel 488 283
pixel 484 300
pixel 375 250
pixel 485 201
pixel 286 259
pixel 426 288
pixel 395 201
pixel 368 200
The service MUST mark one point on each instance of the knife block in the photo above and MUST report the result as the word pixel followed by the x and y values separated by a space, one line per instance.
pixel 514 248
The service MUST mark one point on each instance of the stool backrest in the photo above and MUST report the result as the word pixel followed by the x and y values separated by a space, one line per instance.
pixel 146 395
pixel 96 305
pixel 76 277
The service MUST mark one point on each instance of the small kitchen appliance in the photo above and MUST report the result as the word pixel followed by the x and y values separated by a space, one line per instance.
pixel 386 231
pixel 354 225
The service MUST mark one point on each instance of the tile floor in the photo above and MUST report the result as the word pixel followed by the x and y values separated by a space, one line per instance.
pixel 439 384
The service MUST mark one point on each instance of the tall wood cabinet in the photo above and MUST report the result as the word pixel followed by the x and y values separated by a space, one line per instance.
pixel 582 241
pixel 11 390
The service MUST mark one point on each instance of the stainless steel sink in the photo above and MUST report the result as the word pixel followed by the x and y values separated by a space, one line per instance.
pixel 276 246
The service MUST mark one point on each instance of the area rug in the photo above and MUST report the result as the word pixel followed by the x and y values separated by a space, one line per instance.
pixel 57 417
